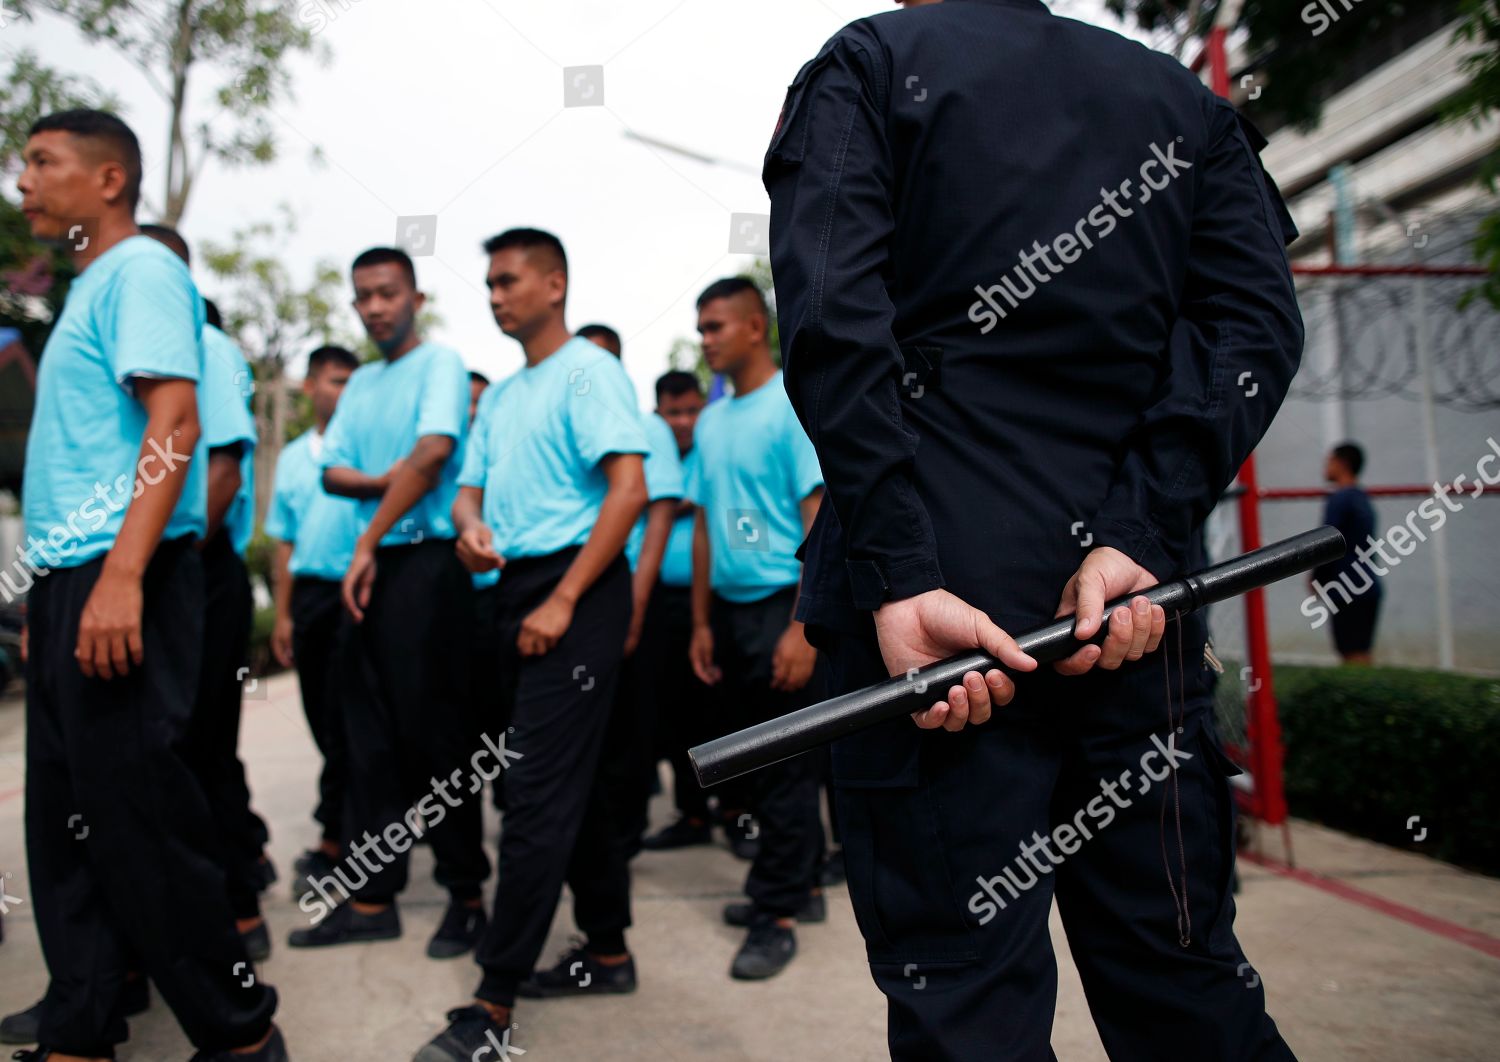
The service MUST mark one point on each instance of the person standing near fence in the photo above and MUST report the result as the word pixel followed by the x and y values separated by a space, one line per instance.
pixel 1348 508
pixel 1027 272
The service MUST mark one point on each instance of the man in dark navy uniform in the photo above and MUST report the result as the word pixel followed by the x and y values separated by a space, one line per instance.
pixel 1035 313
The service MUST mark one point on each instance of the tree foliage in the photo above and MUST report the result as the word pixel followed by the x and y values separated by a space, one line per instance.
pixel 244 45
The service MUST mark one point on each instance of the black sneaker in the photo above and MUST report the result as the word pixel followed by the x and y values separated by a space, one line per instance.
pixel 767 949
pixel 24 1026
pixel 681 834
pixel 742 915
pixel 312 865
pixel 833 872
pixel 742 833
pixel 257 942
pixel 41 1054
pixel 578 973
pixel 345 925
pixel 461 929
pixel 273 1050
pixel 471 1034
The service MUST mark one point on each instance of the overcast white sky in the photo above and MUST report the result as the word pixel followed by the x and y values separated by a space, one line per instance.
pixel 455 108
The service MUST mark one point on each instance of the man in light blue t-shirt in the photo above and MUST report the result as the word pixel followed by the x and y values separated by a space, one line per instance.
pixel 394 443
pixel 315 533
pixel 119 834
pixel 211 744
pixel 756 483
pixel 552 481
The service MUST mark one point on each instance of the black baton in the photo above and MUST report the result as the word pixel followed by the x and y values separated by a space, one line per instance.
pixel 780 739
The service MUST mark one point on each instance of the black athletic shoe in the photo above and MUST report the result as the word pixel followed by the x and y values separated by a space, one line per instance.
pixel 578 973
pixel 41 1054
pixel 681 834
pixel 345 925
pixel 24 1026
pixel 461 929
pixel 471 1034
pixel 742 833
pixel 312 865
pixel 274 1050
pixel 257 942
pixel 767 949
pixel 742 915
pixel 265 877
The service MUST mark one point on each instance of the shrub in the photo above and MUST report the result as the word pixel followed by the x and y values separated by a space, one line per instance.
pixel 1368 748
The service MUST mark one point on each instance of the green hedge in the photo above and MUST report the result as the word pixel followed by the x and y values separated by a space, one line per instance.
pixel 1368 748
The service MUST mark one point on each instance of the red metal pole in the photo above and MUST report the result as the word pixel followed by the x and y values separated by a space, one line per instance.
pixel 1268 800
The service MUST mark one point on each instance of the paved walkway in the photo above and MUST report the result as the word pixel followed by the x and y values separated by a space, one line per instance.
pixel 1371 953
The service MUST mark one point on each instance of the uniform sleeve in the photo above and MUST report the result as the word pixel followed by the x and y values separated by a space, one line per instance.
pixel 444 405
pixel 1234 350
pixel 602 414
pixel 476 462
pixel 802 460
pixel 339 444
pixel 224 396
pixel 664 477
pixel 829 175
pixel 281 515
pixel 153 323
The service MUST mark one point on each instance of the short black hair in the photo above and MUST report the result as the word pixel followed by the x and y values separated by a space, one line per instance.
pixel 211 311
pixel 387 256
pixel 1352 455
pixel 475 376
pixel 107 129
pixel 530 240
pixel 677 382
pixel 170 238
pixel 732 286
pixel 337 356
pixel 603 331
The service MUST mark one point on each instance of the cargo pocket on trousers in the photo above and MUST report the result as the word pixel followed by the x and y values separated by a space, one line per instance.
pixel 900 874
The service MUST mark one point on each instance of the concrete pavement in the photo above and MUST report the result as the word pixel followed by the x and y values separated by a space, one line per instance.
pixel 1378 954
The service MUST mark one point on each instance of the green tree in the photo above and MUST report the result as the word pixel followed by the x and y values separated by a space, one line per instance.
pixel 243 45
pixel 1480 99
pixel 1293 64
pixel 275 318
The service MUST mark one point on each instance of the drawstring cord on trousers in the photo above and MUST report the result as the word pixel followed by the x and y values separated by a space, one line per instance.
pixel 1174 724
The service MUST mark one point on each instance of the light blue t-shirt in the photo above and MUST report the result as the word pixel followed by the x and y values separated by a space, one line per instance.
pixel 754 465
pixel 320 526
pixel 536 444
pixel 677 561
pixel 663 478
pixel 134 312
pixel 385 408
pixel 224 408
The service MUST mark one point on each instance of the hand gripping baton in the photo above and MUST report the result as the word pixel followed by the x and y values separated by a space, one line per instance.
pixel 779 739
